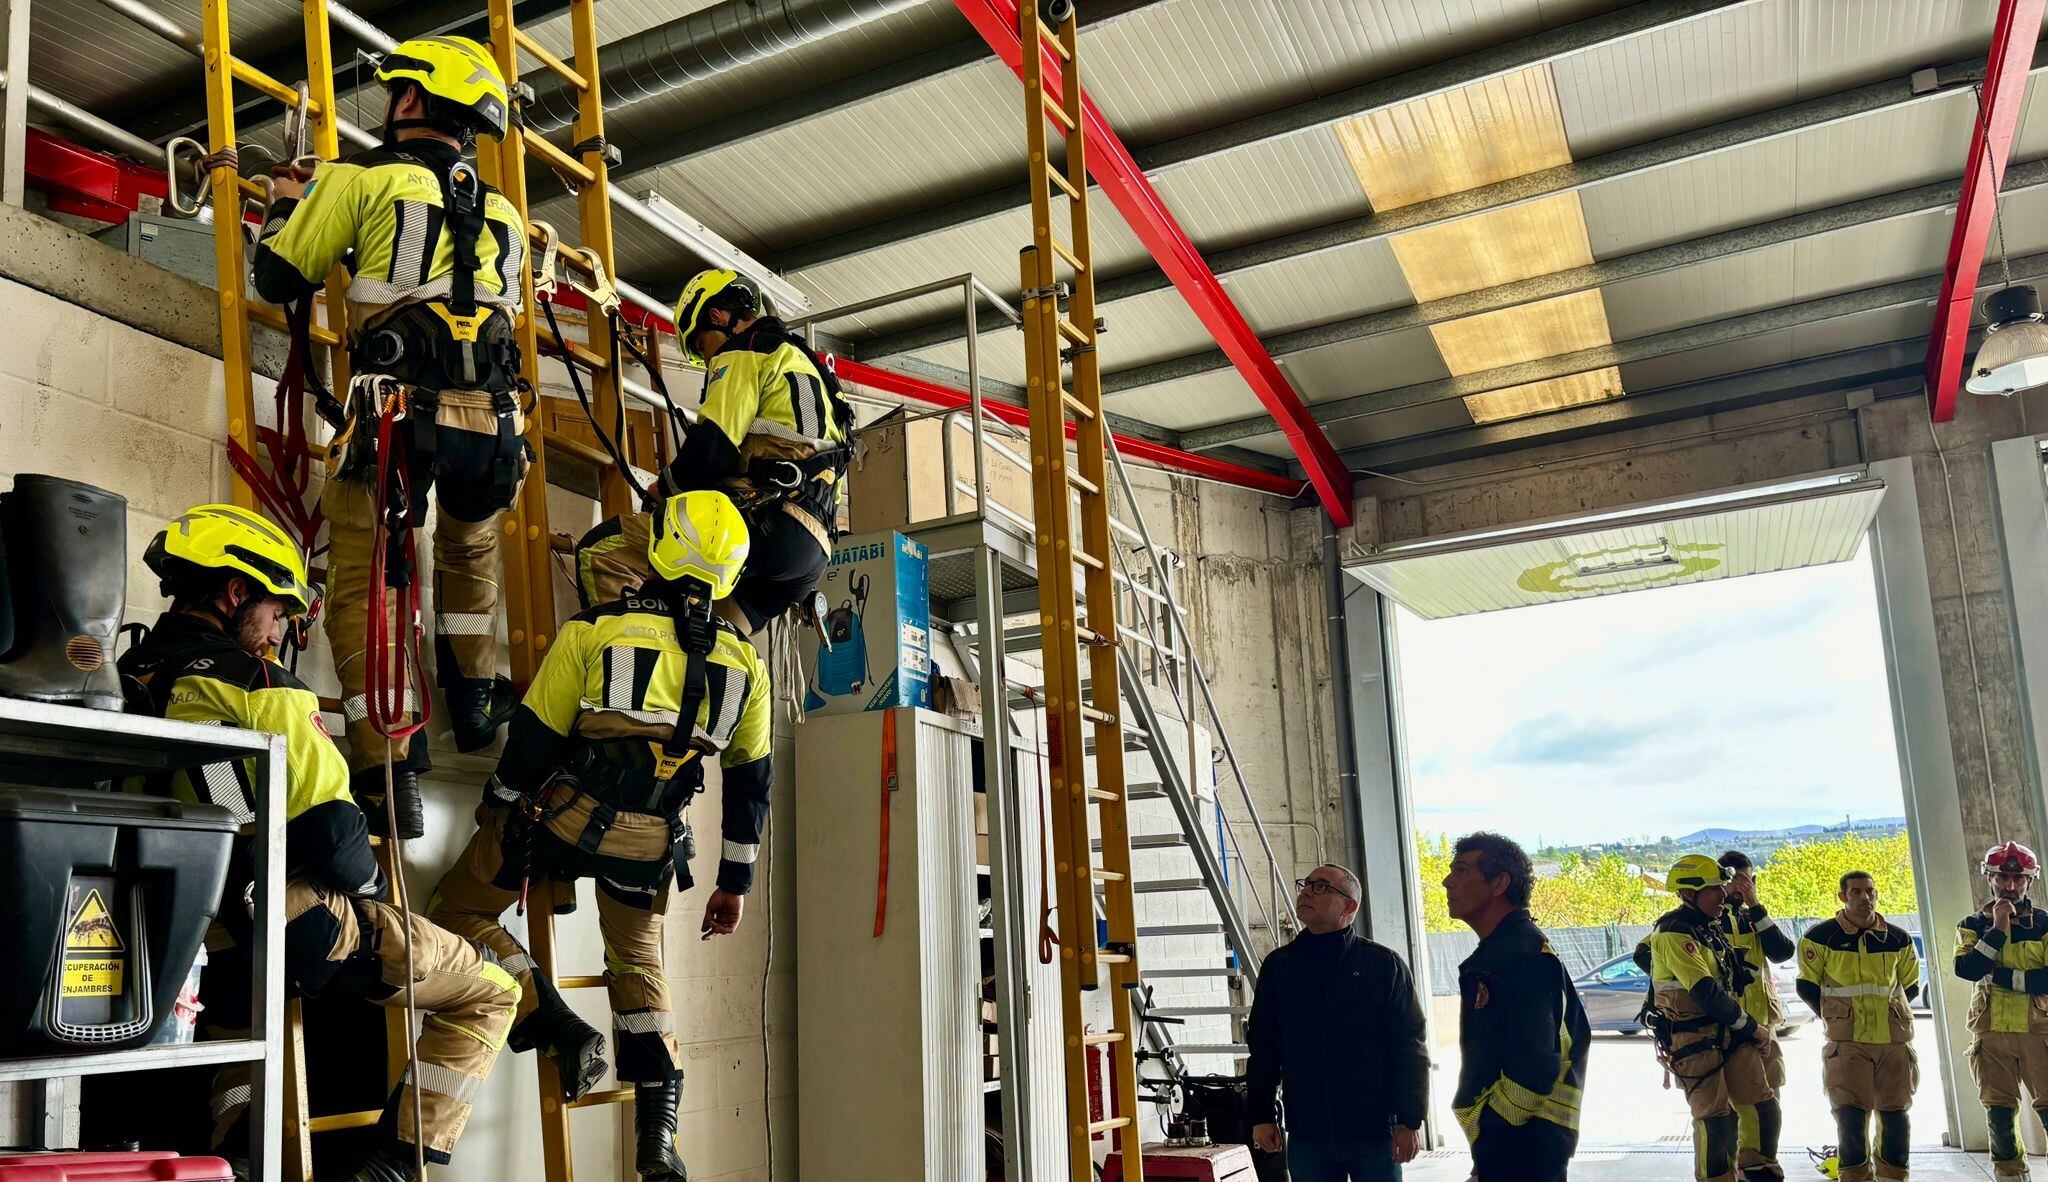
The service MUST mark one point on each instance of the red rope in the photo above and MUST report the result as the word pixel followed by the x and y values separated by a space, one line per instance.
pixel 387 680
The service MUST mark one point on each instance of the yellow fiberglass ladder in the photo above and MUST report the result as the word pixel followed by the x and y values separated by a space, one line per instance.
pixel 1059 331
pixel 529 571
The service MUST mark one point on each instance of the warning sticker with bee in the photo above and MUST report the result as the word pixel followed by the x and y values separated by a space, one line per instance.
pixel 93 948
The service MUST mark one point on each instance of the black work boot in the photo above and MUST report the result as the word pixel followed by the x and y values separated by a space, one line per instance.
pixel 66 562
pixel 575 1045
pixel 654 1118
pixel 368 787
pixel 477 706
pixel 384 1164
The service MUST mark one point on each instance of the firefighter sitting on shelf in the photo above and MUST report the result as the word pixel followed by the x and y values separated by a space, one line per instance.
pixel 236 584
pixel 600 762
pixel 772 433
pixel 436 256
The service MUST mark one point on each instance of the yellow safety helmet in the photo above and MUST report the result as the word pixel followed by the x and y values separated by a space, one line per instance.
pixel 700 535
pixel 707 289
pixel 1696 872
pixel 458 72
pixel 229 538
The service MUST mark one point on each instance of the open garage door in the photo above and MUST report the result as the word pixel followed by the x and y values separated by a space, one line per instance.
pixel 1721 536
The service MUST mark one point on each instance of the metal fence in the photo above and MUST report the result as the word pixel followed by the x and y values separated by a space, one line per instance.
pixel 1581 949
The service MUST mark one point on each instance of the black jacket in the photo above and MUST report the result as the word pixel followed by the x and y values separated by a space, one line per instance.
pixel 1522 1034
pixel 1343 1036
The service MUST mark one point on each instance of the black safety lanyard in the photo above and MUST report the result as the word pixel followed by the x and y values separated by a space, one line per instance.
pixel 462 198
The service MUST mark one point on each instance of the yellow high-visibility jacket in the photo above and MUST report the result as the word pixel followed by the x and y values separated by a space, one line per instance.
pixel 1860 981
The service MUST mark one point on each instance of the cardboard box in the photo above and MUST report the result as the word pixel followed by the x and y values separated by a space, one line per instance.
pixel 900 477
pixel 878 601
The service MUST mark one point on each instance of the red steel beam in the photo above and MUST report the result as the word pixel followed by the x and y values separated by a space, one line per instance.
pixel 1192 463
pixel 1131 192
pixel 2001 98
pixel 932 393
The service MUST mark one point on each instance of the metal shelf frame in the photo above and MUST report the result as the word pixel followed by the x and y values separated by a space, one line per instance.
pixel 51 746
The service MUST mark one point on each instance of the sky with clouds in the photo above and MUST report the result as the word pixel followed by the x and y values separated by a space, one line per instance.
pixel 1748 703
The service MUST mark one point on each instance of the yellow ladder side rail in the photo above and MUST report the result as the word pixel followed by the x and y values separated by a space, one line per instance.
pixel 529 597
pixel 324 116
pixel 230 264
pixel 594 204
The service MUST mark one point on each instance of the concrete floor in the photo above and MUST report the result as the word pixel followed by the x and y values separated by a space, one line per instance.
pixel 1636 1130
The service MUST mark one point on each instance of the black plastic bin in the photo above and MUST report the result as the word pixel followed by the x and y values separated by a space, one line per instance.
pixel 104 901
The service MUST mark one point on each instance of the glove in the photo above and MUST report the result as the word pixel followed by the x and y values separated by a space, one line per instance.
pixel 2004 978
pixel 1743 1033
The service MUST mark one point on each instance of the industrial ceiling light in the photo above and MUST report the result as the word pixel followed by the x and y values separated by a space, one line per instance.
pixel 2014 355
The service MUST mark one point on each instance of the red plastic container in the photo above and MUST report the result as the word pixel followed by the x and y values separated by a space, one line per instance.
pixel 142 1166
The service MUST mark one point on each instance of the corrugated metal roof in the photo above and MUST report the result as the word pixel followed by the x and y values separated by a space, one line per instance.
pixel 1228 57
pixel 1372 363
pixel 1261 192
pixel 1352 280
pixel 81 51
pixel 1753 57
pixel 1200 401
pixel 1880 153
pixel 1345 42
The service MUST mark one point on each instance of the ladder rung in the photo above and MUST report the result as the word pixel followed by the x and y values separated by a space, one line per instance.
pixel 1098 717
pixel 1083 483
pixel 1100 875
pixel 1060 248
pixel 1077 407
pixel 1090 637
pixel 593 982
pixel 344 1120
pixel 249 75
pixel 1089 560
pixel 1196 1011
pixel 269 315
pixel 1102 1038
pixel 1074 332
pixel 1211 1048
pixel 1060 114
pixel 1111 958
pixel 541 54
pixel 1103 1126
pixel 570 350
pixel 589 453
pixel 556 158
pixel 611 1096
pixel 1060 181
pixel 1182 929
pixel 1102 794
pixel 1051 38
pixel 1166 886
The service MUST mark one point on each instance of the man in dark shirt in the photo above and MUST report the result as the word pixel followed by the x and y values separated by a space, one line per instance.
pixel 1522 1033
pixel 1337 1026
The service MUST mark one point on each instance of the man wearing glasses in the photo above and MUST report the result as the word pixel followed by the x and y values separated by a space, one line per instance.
pixel 1337 1028
pixel 1522 1033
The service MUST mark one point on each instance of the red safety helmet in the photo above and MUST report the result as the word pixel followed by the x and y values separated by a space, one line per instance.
pixel 2011 858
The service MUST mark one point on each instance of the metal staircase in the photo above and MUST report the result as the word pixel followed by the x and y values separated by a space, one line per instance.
pixel 1210 896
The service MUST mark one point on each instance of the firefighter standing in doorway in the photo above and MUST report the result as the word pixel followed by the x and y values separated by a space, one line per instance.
pixel 1860 974
pixel 435 287
pixel 236 584
pixel 2003 951
pixel 1756 937
pixel 601 760
pixel 772 434
pixel 1706 1039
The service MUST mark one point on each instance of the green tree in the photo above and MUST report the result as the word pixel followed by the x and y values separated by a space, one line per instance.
pixel 1802 879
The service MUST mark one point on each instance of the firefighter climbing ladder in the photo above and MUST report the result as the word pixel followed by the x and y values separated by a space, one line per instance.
pixel 529 593
pixel 1059 494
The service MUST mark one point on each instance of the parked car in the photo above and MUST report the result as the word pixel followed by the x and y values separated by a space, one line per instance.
pixel 1924 1000
pixel 1613 995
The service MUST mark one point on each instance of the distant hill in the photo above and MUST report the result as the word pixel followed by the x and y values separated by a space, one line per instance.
pixel 1733 836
